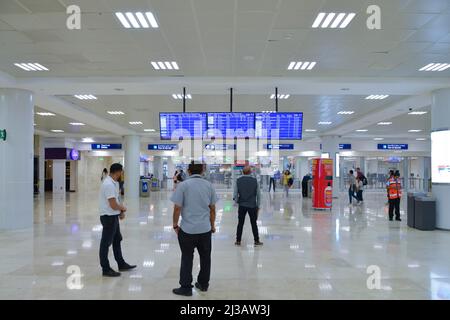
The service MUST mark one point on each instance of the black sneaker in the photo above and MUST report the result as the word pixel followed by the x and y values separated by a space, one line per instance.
pixel 258 243
pixel 398 219
pixel 126 267
pixel 182 292
pixel 391 219
pixel 200 287
pixel 111 273
pixel 237 243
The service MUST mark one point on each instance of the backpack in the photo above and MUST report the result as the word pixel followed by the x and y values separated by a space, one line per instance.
pixel 364 181
pixel 290 182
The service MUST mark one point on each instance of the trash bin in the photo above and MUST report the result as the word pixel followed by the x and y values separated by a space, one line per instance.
pixel 410 207
pixel 144 187
pixel 154 184
pixel 425 213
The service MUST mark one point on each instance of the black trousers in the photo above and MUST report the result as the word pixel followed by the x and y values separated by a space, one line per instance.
pixel 188 242
pixel 304 189
pixel 253 213
pixel 110 235
pixel 359 195
pixel 272 183
pixel 394 204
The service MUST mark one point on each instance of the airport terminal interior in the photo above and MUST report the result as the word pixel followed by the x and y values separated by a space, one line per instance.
pixel 320 88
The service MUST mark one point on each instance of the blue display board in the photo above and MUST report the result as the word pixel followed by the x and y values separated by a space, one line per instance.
pixel 284 146
pixel 345 146
pixel 383 146
pixel 231 124
pixel 164 146
pixel 182 125
pixel 289 124
pixel 113 146
pixel 220 147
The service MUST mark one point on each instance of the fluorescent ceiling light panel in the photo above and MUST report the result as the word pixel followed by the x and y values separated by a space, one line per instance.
pixel 178 96
pixel 435 67
pixel 377 97
pixel 310 130
pixel 333 20
pixel 85 97
pixel 346 112
pixel 362 130
pixel 116 113
pixel 87 140
pixel 378 139
pixel 45 114
pixel 325 122
pixel 421 139
pixel 149 130
pixel 165 65
pixel 387 123
pixel 280 96
pixel 135 123
pixel 137 20
pixel 300 65
pixel 417 113
pixel 414 130
pixel 57 131
pixel 76 124
pixel 31 66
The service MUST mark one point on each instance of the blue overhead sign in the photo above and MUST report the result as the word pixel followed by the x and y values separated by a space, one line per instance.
pixel 383 146
pixel 220 146
pixel 345 146
pixel 284 146
pixel 113 146
pixel 164 146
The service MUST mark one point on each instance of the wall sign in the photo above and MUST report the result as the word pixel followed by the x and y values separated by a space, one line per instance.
pixel 164 146
pixel 345 146
pixel 284 146
pixel 383 146
pixel 74 155
pixel 220 147
pixel 112 146
pixel 3 134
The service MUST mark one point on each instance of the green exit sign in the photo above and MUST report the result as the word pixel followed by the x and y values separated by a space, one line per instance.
pixel 3 135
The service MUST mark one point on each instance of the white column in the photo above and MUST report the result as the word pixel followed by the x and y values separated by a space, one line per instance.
pixel 440 120
pixel 330 145
pixel 41 166
pixel 59 176
pixel 132 166
pixel 16 159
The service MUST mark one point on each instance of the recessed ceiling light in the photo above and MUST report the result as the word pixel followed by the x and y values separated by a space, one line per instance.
pixel 149 130
pixel 377 97
pixel 415 130
pixel 421 139
pixel 76 124
pixel 178 96
pixel 362 130
pixel 85 97
pixel 165 65
pixel 435 67
pixel 306 65
pixel 31 66
pixel 280 96
pixel 135 123
pixel 137 20
pixel 417 113
pixel 387 123
pixel 378 139
pixel 116 113
pixel 310 130
pixel 57 130
pixel 333 20
pixel 45 114
pixel 87 140
pixel 346 112
pixel 325 122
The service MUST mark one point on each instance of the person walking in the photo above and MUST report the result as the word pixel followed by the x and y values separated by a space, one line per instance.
pixel 272 181
pixel 111 210
pixel 194 199
pixel 351 186
pixel 104 174
pixel 359 189
pixel 247 195
pixel 305 181
pixel 394 187
pixel 287 181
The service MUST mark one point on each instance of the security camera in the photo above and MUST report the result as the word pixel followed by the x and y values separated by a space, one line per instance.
pixel 410 109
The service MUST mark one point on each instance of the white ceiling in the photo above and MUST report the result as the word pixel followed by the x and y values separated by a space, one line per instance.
pixel 244 44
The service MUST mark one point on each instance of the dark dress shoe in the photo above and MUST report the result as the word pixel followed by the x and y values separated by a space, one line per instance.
pixel 111 273
pixel 126 267
pixel 237 243
pixel 182 292
pixel 200 287
pixel 258 243
pixel 398 219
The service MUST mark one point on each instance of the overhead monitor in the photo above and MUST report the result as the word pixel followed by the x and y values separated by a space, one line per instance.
pixel 229 125
pixel 288 125
pixel 182 125
pixel 440 157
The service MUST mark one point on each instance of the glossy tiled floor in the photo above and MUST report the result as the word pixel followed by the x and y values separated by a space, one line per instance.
pixel 306 254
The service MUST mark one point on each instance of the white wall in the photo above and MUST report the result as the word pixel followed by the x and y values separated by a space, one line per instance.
pixel 59 176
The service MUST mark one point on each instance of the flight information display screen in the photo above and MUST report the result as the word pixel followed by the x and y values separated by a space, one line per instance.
pixel 184 125
pixel 288 124
pixel 231 124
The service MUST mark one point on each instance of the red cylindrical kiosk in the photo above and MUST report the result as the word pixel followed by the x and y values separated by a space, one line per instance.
pixel 322 183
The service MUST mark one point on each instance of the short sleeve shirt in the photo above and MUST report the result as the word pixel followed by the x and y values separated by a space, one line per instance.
pixel 108 190
pixel 194 196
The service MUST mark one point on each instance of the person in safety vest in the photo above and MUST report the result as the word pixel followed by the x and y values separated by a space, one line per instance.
pixel 394 189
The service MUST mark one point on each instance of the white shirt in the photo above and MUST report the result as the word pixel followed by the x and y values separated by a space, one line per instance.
pixel 108 190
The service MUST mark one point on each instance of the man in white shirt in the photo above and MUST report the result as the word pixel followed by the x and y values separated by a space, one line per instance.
pixel 111 210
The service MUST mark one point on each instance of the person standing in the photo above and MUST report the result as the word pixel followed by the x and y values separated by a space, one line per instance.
pixel 247 195
pixel 272 181
pixel 394 187
pixel 287 181
pixel 359 189
pixel 111 210
pixel 305 181
pixel 104 174
pixel 351 186
pixel 194 199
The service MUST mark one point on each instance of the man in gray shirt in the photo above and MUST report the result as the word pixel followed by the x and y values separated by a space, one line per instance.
pixel 247 195
pixel 194 199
